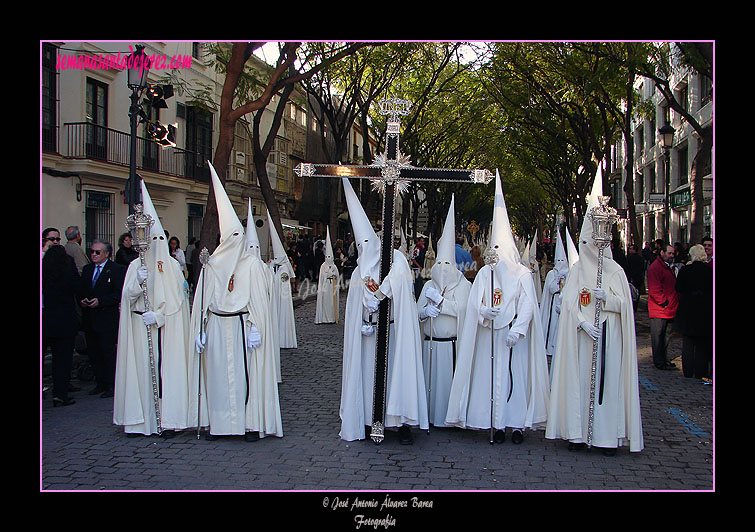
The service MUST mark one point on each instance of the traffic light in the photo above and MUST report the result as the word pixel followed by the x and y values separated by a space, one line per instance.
pixel 155 97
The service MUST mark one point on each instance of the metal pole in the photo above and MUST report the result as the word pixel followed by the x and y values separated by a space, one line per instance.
pixel 133 184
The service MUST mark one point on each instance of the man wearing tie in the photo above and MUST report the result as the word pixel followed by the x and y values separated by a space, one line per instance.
pixel 99 296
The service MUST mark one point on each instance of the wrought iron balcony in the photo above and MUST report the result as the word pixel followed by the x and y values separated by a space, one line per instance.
pixel 84 140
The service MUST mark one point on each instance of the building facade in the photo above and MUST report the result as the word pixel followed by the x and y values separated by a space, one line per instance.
pixel 651 192
pixel 85 145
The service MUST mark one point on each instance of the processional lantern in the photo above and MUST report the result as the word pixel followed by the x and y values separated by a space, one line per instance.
pixel 140 225
pixel 602 219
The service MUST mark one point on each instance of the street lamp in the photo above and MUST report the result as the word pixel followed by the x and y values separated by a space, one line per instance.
pixel 137 82
pixel 667 141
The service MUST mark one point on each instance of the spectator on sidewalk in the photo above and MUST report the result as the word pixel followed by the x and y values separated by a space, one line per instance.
pixel 694 317
pixel 663 301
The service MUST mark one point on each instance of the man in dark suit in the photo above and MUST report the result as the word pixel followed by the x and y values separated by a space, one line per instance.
pixel 99 295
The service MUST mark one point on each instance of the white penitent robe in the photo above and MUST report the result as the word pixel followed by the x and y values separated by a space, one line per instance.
pixel 406 402
pixel 550 307
pixel 282 294
pixel 445 332
pixel 239 383
pixel 520 378
pixel 328 291
pixel 134 405
pixel 617 420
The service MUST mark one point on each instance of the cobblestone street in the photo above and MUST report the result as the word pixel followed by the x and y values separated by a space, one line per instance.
pixel 82 450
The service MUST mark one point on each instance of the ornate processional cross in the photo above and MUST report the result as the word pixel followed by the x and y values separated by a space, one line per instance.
pixel 390 174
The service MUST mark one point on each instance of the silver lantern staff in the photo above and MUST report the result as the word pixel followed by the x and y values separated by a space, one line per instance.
pixel 491 259
pixel 204 258
pixel 602 218
pixel 139 225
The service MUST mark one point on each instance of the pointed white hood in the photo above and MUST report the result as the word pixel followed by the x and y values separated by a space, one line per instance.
pixel 588 252
pixel 280 257
pixel 328 251
pixel 164 272
pixel 444 272
pixel 231 290
pixel 501 238
pixel 560 261
pixel 252 239
pixel 533 252
pixel 367 242
pixel 571 249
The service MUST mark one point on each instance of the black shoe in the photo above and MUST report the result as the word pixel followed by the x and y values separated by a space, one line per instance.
pixel 133 435
pixel 107 393
pixel 62 402
pixel 405 435
pixel 252 436
pixel 97 389
pixel 664 367
pixel 211 437
pixel 576 446
pixel 168 434
pixel 609 452
pixel 670 365
pixel 499 436
pixel 517 437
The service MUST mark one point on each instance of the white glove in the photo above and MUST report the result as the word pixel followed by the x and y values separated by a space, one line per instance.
pixel 368 330
pixel 149 318
pixel 512 339
pixel 253 338
pixel 372 303
pixel 590 329
pixel 200 342
pixel 555 285
pixel 429 311
pixel 599 294
pixel 433 295
pixel 557 308
pixel 142 274
pixel 489 313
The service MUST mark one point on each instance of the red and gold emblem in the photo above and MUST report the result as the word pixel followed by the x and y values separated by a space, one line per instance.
pixel 497 295
pixel 584 297
pixel 160 266
pixel 230 283
pixel 371 285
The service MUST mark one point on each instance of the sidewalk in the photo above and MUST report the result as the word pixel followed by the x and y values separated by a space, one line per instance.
pixel 80 448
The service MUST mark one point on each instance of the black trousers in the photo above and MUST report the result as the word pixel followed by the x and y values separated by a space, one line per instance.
pixel 102 348
pixel 62 361
pixel 660 334
pixel 697 355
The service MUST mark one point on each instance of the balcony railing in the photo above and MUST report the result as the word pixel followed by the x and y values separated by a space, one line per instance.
pixel 84 140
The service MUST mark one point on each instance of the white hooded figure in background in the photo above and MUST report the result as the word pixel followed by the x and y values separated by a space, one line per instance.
pixel 134 404
pixel 234 337
pixel 571 250
pixel 550 304
pixel 328 287
pixel 617 420
pixel 441 308
pixel 253 248
pixel 406 402
pixel 283 272
pixel 507 317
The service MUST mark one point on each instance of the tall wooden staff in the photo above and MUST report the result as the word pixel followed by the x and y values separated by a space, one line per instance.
pixel 491 259
pixel 139 225
pixel 602 218
pixel 204 258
